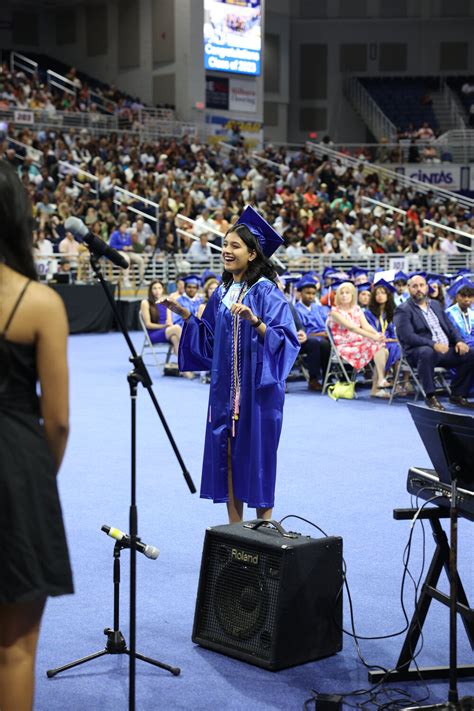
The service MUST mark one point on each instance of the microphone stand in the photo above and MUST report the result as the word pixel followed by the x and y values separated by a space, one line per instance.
pixel 139 374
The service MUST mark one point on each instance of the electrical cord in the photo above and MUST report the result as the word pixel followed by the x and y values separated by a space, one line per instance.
pixel 376 691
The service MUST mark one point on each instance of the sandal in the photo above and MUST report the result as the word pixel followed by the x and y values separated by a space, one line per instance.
pixel 381 393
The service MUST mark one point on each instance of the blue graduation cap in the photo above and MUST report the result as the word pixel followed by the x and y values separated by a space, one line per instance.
pixel 460 283
pixel 328 272
pixel 400 276
pixel 420 274
pixel 268 238
pixel 355 272
pixel 192 280
pixel 385 284
pixel 289 278
pixel 305 281
pixel 437 278
pixel 364 287
pixel 208 274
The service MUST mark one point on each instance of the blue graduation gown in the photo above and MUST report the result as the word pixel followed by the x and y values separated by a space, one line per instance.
pixel 312 318
pixel 191 304
pixel 463 322
pixel 394 352
pixel 266 362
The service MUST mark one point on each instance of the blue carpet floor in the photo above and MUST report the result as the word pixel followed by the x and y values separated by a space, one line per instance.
pixel 342 465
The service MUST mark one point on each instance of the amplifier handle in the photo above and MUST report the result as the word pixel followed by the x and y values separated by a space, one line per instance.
pixel 261 521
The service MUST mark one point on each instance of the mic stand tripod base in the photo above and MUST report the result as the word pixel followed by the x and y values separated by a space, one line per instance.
pixel 116 643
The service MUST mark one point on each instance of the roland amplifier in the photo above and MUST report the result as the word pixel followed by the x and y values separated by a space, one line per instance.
pixel 269 597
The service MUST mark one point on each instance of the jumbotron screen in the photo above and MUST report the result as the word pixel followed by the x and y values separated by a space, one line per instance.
pixel 233 36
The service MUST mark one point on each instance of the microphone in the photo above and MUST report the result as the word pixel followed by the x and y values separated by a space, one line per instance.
pixel 96 245
pixel 148 551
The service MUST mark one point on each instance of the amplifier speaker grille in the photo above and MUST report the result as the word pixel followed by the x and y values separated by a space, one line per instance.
pixel 269 600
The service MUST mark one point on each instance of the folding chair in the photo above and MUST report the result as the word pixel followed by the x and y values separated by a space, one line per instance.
pixel 403 367
pixel 149 347
pixel 336 367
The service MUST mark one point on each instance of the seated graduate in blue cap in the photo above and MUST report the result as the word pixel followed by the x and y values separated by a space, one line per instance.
pixel 363 295
pixel 460 312
pixel 191 298
pixel 400 283
pixel 436 289
pixel 247 339
pixel 315 346
pixel 380 316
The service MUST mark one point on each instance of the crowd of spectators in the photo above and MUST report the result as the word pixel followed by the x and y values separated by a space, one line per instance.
pixel 315 204
pixel 25 91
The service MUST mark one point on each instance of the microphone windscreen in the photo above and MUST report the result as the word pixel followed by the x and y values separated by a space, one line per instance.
pixel 76 226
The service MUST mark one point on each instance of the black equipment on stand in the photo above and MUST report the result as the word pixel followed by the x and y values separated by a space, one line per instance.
pixel 139 374
pixel 449 440
pixel 116 643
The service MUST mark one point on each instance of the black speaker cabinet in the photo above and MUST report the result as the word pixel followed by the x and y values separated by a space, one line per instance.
pixel 268 597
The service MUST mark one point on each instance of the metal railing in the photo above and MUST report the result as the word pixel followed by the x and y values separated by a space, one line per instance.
pixel 97 123
pixel 166 268
pixel 456 115
pixel 390 208
pixel 371 113
pixel 391 175
pixel 20 63
pixel 459 143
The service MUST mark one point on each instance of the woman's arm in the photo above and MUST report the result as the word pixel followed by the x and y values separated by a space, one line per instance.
pixel 51 358
pixel 366 326
pixel 145 311
pixel 347 323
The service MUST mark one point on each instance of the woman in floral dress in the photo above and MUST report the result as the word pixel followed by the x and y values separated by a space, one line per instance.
pixel 355 339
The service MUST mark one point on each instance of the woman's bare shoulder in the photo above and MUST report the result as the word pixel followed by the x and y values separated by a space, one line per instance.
pixel 45 302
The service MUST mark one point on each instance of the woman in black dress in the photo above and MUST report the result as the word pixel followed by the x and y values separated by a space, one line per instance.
pixel 34 561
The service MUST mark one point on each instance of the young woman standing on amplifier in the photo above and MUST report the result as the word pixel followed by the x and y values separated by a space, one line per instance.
pixel 34 561
pixel 247 339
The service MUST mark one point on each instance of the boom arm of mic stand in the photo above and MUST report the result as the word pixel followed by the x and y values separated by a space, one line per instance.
pixel 142 373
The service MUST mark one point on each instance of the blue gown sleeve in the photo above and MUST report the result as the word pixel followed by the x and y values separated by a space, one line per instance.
pixel 280 346
pixel 197 339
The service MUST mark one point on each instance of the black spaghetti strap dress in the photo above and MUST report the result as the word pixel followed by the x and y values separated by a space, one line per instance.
pixel 34 559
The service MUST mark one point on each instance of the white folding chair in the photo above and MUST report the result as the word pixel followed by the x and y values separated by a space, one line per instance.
pixel 337 368
pixel 154 349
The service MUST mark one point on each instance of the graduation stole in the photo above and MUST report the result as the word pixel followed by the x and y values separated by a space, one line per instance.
pixel 236 360
pixel 462 320
pixel 383 324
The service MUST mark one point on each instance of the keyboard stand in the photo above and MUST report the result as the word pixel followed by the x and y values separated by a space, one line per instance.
pixel 440 560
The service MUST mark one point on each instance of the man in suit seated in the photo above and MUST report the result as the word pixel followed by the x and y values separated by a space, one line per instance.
pixel 429 339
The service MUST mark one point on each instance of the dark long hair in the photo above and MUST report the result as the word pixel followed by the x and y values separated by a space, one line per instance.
pixel 261 266
pixel 374 307
pixel 16 239
pixel 154 317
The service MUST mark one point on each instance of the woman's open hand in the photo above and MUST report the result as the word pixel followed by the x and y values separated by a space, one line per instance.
pixel 244 312
pixel 174 306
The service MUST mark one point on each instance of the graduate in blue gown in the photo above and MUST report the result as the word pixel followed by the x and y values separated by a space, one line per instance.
pixel 460 312
pixel 315 347
pixel 191 299
pixel 247 339
pixel 380 316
